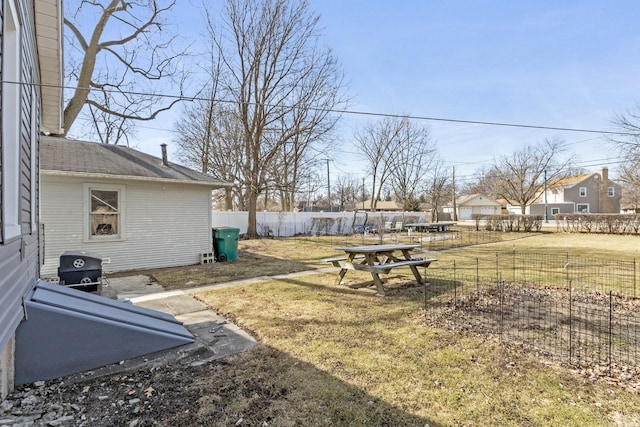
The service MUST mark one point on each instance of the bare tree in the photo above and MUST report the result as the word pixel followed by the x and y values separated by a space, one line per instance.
pixel 628 144
pixel 631 197
pixel 520 176
pixel 410 160
pixel 347 191
pixel 376 142
pixel 209 137
pixel 439 187
pixel 483 181
pixel 115 76
pixel 283 83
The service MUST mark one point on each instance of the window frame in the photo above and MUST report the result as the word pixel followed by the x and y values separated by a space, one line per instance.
pixel 555 211
pixel 583 204
pixel 582 191
pixel 611 191
pixel 121 190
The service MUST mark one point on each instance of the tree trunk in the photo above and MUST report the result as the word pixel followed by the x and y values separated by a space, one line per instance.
pixel 252 226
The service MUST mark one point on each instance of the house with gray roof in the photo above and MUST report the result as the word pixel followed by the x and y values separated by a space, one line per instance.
pixel 129 208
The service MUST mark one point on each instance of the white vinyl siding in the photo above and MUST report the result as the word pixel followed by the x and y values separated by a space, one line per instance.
pixel 165 225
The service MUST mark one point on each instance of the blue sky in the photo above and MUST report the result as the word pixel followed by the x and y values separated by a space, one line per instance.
pixel 550 63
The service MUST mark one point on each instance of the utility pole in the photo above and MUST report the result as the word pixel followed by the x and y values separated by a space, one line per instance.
pixel 328 186
pixel 546 218
pixel 453 185
pixel 363 193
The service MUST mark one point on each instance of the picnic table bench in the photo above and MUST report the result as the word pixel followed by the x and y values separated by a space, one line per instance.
pixel 378 259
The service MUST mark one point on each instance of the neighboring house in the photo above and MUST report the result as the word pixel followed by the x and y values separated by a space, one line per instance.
pixel 137 210
pixel 587 193
pixel 387 206
pixel 381 206
pixel 31 72
pixel 474 204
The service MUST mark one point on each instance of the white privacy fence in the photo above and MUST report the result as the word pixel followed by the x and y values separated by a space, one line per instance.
pixel 285 224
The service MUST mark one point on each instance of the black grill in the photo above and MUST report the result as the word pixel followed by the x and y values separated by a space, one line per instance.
pixel 80 270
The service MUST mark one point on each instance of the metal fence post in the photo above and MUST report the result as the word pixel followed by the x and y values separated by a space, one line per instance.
pixel 478 275
pixel 455 288
pixel 514 266
pixel 501 288
pixel 610 331
pixel 570 325
pixel 425 301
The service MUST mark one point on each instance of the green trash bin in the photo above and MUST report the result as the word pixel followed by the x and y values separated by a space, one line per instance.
pixel 225 243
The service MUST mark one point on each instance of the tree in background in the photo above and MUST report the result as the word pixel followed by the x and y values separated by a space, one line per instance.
pixel 347 191
pixel 398 153
pixel 519 177
pixel 117 53
pixel 439 187
pixel 628 144
pixel 411 159
pixel 483 181
pixel 209 138
pixel 630 197
pixel 282 83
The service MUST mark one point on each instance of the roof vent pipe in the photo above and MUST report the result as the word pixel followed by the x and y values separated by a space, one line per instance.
pixel 165 161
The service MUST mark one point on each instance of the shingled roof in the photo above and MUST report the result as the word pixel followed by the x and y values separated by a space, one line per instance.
pixel 570 181
pixel 61 156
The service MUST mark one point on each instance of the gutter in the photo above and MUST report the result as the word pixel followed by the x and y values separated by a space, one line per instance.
pixel 69 174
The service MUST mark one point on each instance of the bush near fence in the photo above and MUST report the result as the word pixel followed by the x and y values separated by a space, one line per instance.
pixel 580 311
pixel 599 223
pixel 511 223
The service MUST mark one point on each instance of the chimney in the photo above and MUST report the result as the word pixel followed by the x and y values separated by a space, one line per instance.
pixel 605 175
pixel 165 161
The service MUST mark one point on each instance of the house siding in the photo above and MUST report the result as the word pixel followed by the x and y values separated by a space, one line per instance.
pixel 19 256
pixel 593 194
pixel 566 197
pixel 164 224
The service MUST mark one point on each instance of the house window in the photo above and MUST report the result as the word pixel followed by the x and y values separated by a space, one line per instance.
pixel 582 208
pixel 583 191
pixel 105 216
pixel 611 192
pixel 10 215
pixel 555 211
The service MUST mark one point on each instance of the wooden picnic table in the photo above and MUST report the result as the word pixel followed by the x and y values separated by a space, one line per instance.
pixel 432 226
pixel 378 259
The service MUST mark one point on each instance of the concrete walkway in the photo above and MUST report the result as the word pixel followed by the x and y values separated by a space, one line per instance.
pixel 215 336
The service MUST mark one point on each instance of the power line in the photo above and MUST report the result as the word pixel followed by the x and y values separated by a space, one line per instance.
pixel 344 111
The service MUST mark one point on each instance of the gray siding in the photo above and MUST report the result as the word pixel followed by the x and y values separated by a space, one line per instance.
pixel 19 257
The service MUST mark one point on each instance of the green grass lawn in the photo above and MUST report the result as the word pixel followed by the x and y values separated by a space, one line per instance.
pixel 382 347
pixel 347 357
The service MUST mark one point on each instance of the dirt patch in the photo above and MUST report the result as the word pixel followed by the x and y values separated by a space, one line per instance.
pixel 262 387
